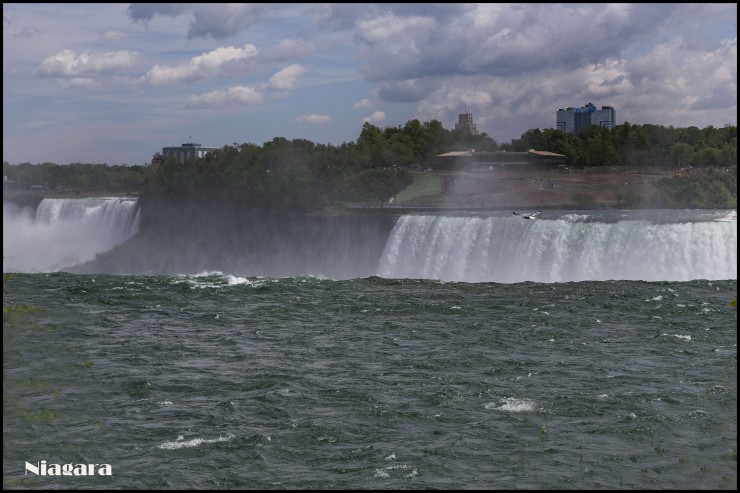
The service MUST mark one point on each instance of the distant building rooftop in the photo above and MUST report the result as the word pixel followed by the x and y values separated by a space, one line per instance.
pixel 499 159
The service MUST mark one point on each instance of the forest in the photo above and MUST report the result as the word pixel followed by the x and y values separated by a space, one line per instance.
pixel 300 175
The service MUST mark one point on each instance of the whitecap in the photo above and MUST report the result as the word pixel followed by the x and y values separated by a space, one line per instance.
pixel 727 217
pixel 237 280
pixel 512 405
pixel 576 217
pixel 192 443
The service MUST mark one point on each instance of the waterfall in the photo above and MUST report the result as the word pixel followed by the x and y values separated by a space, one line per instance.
pixel 115 216
pixel 64 232
pixel 508 249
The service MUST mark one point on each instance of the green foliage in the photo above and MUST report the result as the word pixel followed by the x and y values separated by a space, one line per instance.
pixel 77 176
pixel 423 186
pixel 286 176
pixel 630 198
pixel 710 188
pixel 299 175
pixel 643 146
pixel 375 185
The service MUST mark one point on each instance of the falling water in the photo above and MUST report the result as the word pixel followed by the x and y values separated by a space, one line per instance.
pixel 508 249
pixel 64 232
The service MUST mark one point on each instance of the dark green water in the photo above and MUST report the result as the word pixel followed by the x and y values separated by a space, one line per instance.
pixel 221 382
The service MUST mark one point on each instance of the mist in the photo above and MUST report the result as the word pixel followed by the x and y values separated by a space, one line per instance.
pixel 97 235
pixel 62 233
pixel 181 238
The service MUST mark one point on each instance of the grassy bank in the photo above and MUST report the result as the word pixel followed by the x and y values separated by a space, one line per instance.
pixel 424 186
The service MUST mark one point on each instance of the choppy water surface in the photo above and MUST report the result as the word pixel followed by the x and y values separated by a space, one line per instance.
pixel 216 381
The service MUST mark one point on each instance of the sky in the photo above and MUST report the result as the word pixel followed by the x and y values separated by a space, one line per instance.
pixel 115 83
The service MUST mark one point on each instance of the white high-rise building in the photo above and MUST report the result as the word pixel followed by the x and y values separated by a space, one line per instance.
pixel 186 152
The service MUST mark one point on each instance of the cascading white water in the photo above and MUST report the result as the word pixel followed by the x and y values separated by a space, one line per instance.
pixel 65 232
pixel 569 248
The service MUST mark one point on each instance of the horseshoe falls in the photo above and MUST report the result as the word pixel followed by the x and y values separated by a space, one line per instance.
pixel 562 248
pixel 62 232
pixel 558 246
pixel 211 354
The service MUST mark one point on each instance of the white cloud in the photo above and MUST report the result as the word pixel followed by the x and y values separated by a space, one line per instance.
pixel 513 65
pixel 81 83
pixel 216 20
pixel 68 64
pixel 376 117
pixel 237 95
pixel 361 104
pixel 288 49
pixel 313 118
pixel 207 65
pixel 113 35
pixel 286 78
pixel 400 34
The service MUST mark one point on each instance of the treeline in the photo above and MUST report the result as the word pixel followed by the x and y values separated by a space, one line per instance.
pixel 300 175
pixel 75 176
pixel 642 146
pixel 280 175
pixel 705 188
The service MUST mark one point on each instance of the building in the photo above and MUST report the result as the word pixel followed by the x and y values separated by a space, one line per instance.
pixel 573 120
pixel 183 153
pixel 499 160
pixel 465 123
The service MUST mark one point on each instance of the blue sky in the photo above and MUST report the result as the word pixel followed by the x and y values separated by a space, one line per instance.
pixel 114 83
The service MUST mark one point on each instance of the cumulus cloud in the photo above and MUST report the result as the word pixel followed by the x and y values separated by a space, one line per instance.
pixel 113 35
pixel 361 104
pixel 410 90
pixel 209 64
pixel 68 64
pixel 507 62
pixel 402 40
pixel 237 95
pixel 502 39
pixel 146 11
pixel 81 83
pixel 286 78
pixel 313 118
pixel 289 49
pixel 511 65
pixel 218 21
pixel 376 117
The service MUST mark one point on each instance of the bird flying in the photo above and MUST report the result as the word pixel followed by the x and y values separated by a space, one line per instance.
pixel 530 215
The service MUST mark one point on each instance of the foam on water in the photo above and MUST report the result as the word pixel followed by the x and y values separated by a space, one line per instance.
pixel 512 404
pixel 181 443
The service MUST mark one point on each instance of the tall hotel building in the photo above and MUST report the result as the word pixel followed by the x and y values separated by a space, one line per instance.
pixel 573 120
pixel 183 153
